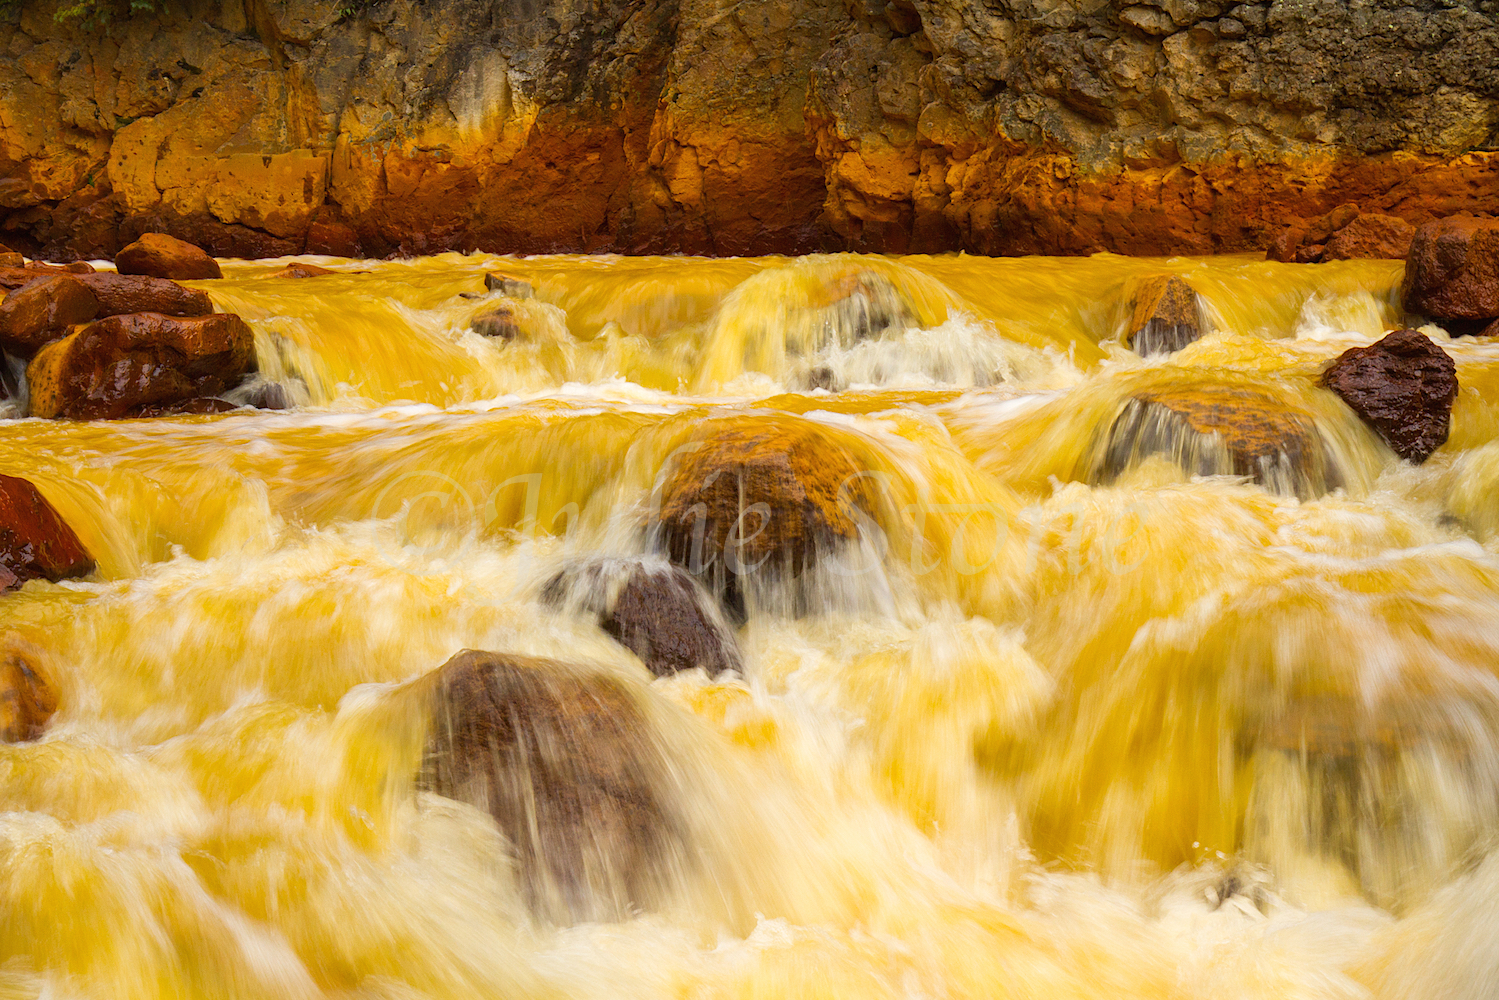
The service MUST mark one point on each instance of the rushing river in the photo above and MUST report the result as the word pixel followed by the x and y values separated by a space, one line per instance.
pixel 1068 721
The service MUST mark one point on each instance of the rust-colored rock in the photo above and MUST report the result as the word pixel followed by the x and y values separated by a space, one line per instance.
pixel 118 366
pixel 1219 430
pixel 1372 236
pixel 162 256
pixel 1452 271
pixel 17 277
pixel 1403 386
pixel 759 496
pixel 564 760
pixel 12 260
pixel 42 311
pixel 297 269
pixel 657 611
pixel 35 542
pixel 508 285
pixel 1163 316
pixel 28 699
pixel 121 293
pixel 329 236
pixel 198 406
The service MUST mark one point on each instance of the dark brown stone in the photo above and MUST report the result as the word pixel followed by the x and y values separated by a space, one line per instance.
pixel 42 311
pixel 330 236
pixel 1380 237
pixel 296 269
pixel 1308 253
pixel 1163 317
pixel 18 277
pixel 1403 386
pixel 499 322
pixel 162 256
pixel 1283 248
pixel 198 406
pixel 35 542
pixel 1452 270
pixel 1319 229
pixel 133 293
pixel 27 698
pixel 565 762
pixel 508 285
pixel 118 366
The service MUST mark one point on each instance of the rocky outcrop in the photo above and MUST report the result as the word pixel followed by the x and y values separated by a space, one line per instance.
pixel 1452 273
pixel 35 542
pixel 1343 234
pixel 1163 315
pixel 1021 126
pixel 657 611
pixel 564 760
pixel 134 364
pixel 1403 386
pixel 161 256
pixel 27 698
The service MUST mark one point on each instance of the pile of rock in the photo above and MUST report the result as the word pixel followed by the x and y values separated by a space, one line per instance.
pixel 134 343
pixel 1452 275
pixel 1343 234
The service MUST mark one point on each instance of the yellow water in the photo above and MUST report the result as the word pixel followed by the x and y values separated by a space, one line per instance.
pixel 1172 736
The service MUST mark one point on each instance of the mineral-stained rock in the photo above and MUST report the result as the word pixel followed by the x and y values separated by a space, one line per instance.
pixel 1452 271
pixel 27 697
pixel 121 293
pixel 1163 317
pixel 657 611
pixel 297 269
pixel 162 256
pixel 198 406
pixel 565 761
pixel 117 366
pixel 508 285
pixel 12 260
pixel 42 311
pixel 1320 229
pixel 1380 237
pixel 759 497
pixel 35 542
pixel 1403 386
pixel 499 322
pixel 1210 429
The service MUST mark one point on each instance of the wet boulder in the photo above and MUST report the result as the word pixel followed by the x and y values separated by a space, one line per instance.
pixel 508 285
pixel 35 542
pixel 1163 315
pixel 132 293
pixel 118 366
pixel 43 311
pixel 1216 430
pixel 655 610
pixel 162 256
pixel 565 761
pixel 20 275
pixel 498 322
pixel 1403 386
pixel 28 699
pixel 1452 273
pixel 1375 237
pixel 297 269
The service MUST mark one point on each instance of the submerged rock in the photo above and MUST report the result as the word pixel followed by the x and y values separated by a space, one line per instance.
pixel 120 365
pixel 27 698
pixel 499 323
pixel 1403 386
pixel 162 256
pixel 296 269
pixel 35 542
pixel 1163 316
pixel 508 285
pixel 566 763
pixel 1215 430
pixel 657 611
pixel 43 311
pixel 1452 272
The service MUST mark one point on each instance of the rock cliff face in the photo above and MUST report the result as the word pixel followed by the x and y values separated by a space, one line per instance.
pixel 260 127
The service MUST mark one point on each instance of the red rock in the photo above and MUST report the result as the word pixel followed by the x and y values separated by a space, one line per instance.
pixel 1308 253
pixel 17 277
pixel 1403 386
pixel 120 365
pixel 42 311
pixel 121 293
pixel 1163 317
pixel 35 542
pixel 1452 271
pixel 27 698
pixel 1382 237
pixel 1283 248
pixel 1319 229
pixel 334 238
pixel 162 256
pixel 12 260
pixel 296 269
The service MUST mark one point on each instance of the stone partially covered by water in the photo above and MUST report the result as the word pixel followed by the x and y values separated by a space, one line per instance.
pixel 1164 315
pixel 28 699
pixel 35 542
pixel 1403 386
pixel 1219 430
pixel 565 761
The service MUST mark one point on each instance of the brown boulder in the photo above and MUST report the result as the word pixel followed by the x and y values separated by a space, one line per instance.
pixel 17 277
pixel 332 237
pixel 1452 270
pixel 120 365
pixel 35 542
pixel 1163 316
pixel 1403 386
pixel 508 285
pixel 1379 237
pixel 499 322
pixel 1319 229
pixel 27 698
pixel 121 293
pixel 658 612
pixel 162 256
pixel 565 762
pixel 8 259
pixel 1308 253
pixel 42 311
pixel 296 269
pixel 1216 430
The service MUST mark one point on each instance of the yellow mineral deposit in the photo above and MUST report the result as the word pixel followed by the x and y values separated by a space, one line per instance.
pixel 1067 673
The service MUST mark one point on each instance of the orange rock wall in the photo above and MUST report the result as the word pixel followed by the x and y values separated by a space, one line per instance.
pixel 264 127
